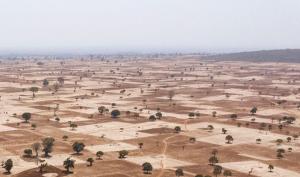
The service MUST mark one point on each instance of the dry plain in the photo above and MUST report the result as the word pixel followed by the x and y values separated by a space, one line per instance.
pixel 172 113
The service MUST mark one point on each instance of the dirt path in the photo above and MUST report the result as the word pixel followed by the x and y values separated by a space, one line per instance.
pixel 163 153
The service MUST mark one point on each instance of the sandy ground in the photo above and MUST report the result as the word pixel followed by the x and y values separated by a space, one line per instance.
pixel 158 161
pixel 259 169
pixel 19 164
pixel 143 87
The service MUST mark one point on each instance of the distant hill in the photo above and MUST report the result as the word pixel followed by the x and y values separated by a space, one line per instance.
pixel 286 55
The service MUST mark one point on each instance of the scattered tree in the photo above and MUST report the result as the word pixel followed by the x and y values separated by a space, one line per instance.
pixel 271 167
pixel 115 113
pixel 68 164
pixel 33 90
pixel 229 139
pixel 47 145
pixel 7 165
pixel 90 161
pixel 177 129
pixel 253 110
pixel 26 116
pixel 213 160
pixel 123 154
pixel 147 168
pixel 99 154
pixel 179 172
pixel 227 173
pixel 217 170
pixel 27 153
pixel 78 147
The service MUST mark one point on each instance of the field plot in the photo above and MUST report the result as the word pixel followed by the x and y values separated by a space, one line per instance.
pixel 58 159
pixel 119 130
pixel 240 135
pixel 259 169
pixel 111 147
pixel 158 161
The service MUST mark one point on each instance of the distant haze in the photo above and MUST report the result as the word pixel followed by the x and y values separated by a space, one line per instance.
pixel 37 26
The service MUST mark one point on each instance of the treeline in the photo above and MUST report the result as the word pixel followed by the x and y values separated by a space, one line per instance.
pixel 286 55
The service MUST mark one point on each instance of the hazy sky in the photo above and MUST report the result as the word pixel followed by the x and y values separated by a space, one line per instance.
pixel 148 25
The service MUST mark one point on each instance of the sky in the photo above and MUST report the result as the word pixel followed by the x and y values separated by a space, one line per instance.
pixel 108 26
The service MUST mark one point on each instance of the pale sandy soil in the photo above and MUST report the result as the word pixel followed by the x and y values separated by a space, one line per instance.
pixel 119 130
pixel 4 128
pixel 223 97
pixel 19 164
pixel 158 161
pixel 111 147
pixel 58 159
pixel 5 119
pixel 256 157
pixel 70 119
pixel 270 112
pixel 259 169
pixel 50 175
pixel 241 135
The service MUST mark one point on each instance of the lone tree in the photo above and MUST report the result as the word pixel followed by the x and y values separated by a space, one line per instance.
pixel 233 116
pixel 45 82
pixel 270 167
pixel 141 145
pixel 214 113
pixel 48 145
pixel 27 153
pixel 227 173
pixel 280 152
pixel 152 118
pixel 90 161
pixel 217 170
pixel 214 152
pixel 26 116
pixel 7 165
pixel 258 141
pixel 198 175
pixel 61 80
pixel 210 127
pixel 179 172
pixel 65 137
pixel 73 126
pixel 101 109
pixel 171 94
pixel 68 164
pixel 42 166
pixel 158 115
pixel 147 168
pixel 123 154
pixel 99 154
pixel 36 147
pixel 115 113
pixel 191 115
pixel 33 90
pixel 279 141
pixel 253 110
pixel 229 139
pixel 177 129
pixel 213 160
pixel 78 147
